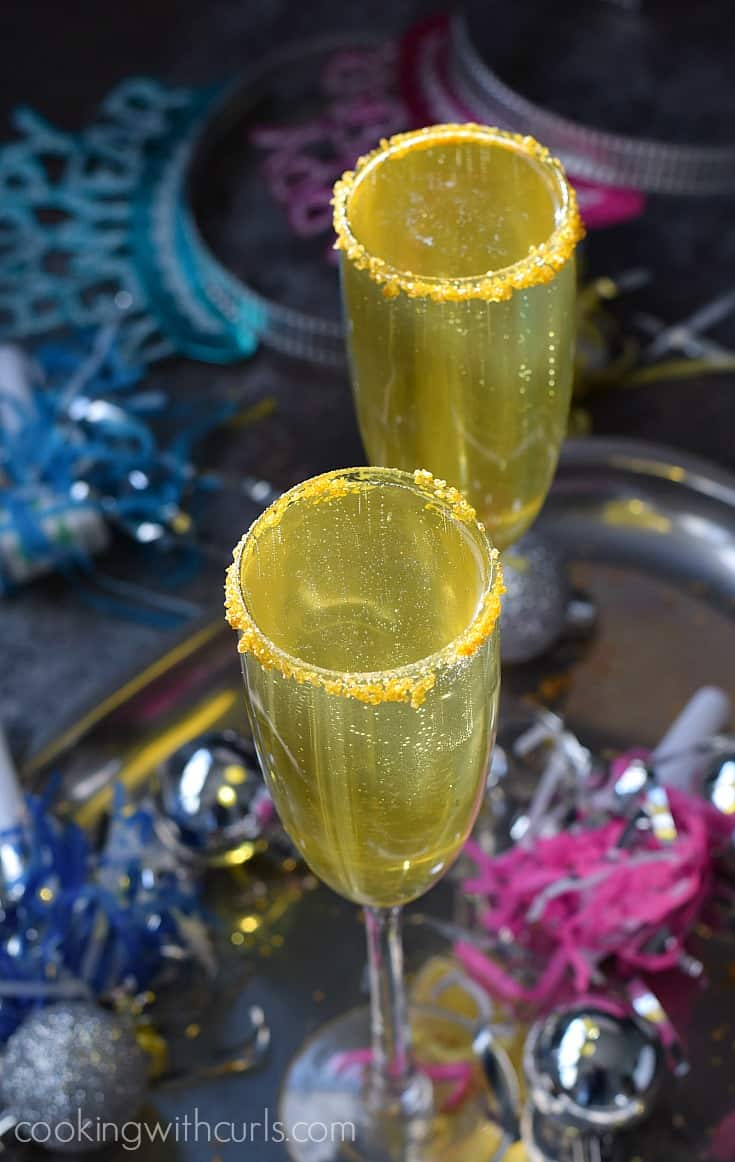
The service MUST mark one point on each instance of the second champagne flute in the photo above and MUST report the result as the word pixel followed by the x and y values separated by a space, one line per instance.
pixel 458 286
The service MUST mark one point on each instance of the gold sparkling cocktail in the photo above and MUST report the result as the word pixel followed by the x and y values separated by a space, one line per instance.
pixel 365 612
pixel 366 603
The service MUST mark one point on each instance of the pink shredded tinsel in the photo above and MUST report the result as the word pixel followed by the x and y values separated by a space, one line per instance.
pixel 564 904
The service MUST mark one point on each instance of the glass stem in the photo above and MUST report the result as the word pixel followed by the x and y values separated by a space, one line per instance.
pixel 394 1073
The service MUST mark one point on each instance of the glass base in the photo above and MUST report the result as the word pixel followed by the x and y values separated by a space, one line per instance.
pixel 328 1113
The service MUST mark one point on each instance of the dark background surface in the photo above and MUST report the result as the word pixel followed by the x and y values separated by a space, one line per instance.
pixel 58 657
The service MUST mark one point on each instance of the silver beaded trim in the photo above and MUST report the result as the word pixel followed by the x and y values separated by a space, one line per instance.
pixel 650 166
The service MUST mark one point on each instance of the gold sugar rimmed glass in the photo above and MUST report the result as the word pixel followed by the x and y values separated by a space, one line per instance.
pixel 458 286
pixel 366 603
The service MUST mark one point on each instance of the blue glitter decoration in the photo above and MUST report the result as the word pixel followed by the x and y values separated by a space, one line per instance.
pixel 95 229
pixel 79 454
pixel 89 923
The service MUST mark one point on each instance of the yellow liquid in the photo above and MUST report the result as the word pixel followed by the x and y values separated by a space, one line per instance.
pixel 478 392
pixel 378 798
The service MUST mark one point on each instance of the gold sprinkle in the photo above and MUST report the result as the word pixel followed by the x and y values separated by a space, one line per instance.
pixel 289 864
pixel 235 774
pixel 181 522
pixel 237 938
pixel 226 796
pixel 192 1031
pixel 540 265
pixel 239 855
pixel 410 684
pixel 249 924
pixel 553 686
pixel 46 895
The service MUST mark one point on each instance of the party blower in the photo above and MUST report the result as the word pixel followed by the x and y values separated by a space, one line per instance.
pixel 366 603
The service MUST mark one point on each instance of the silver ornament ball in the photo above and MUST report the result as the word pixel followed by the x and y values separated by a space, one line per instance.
pixel 16 864
pixel 211 798
pixel 546 1139
pixel 592 1069
pixel 536 599
pixel 718 783
pixel 73 1065
pixel 718 787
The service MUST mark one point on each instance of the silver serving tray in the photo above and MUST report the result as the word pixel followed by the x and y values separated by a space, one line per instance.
pixel 638 504
pixel 650 534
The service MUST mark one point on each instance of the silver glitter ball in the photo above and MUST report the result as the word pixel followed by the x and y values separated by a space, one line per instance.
pixel 536 599
pixel 211 799
pixel 67 1070
pixel 592 1069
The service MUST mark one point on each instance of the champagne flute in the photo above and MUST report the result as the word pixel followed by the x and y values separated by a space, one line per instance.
pixel 458 286
pixel 366 602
